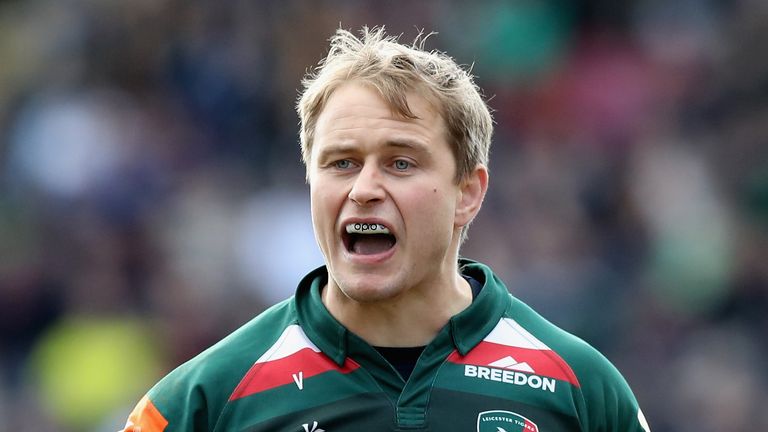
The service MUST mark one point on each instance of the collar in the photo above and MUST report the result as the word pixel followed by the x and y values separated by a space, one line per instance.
pixel 467 328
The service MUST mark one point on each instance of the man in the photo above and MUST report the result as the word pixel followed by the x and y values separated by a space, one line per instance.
pixel 395 332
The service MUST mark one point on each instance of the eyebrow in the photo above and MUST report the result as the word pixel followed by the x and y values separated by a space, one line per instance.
pixel 408 144
pixel 334 149
pixel 345 148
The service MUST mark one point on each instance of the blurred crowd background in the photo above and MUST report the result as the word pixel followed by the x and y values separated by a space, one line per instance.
pixel 152 197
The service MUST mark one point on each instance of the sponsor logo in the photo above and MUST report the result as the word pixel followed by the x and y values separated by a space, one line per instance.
pixel 504 421
pixel 293 351
pixel 511 347
pixel 509 376
pixel 313 428
pixel 509 362
pixel 299 380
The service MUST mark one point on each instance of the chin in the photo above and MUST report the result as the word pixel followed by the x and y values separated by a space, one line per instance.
pixel 367 289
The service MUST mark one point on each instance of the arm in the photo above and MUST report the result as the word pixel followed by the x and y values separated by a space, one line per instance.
pixel 608 400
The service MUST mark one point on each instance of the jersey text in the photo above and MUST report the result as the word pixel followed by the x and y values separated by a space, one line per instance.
pixel 510 377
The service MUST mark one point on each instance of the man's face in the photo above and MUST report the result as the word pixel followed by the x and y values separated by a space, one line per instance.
pixel 384 199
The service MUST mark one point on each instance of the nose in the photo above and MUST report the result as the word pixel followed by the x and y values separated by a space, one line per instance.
pixel 367 187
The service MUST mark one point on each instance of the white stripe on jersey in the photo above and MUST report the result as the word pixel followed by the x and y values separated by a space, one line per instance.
pixel 290 342
pixel 508 332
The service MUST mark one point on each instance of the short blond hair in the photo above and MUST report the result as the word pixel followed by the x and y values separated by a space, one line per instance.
pixel 394 69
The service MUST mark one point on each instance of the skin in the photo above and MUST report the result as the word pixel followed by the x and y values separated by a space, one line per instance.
pixel 368 164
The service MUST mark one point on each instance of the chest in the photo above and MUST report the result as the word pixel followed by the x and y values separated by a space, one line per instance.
pixel 446 392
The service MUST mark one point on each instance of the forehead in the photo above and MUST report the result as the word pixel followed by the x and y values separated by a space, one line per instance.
pixel 355 107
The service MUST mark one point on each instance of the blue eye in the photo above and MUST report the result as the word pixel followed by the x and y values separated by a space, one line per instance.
pixel 402 165
pixel 342 164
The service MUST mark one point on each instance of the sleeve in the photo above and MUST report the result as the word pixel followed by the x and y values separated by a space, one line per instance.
pixel 145 417
pixel 609 403
pixel 180 402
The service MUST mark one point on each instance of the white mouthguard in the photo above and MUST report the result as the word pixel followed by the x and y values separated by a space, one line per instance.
pixel 366 228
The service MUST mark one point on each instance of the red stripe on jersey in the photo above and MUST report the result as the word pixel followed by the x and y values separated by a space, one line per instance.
pixel 543 362
pixel 270 374
pixel 530 426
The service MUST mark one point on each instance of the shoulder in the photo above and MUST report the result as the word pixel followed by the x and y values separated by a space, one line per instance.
pixel 198 390
pixel 584 359
pixel 603 398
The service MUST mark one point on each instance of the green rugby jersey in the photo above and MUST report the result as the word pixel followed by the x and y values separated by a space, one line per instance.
pixel 497 366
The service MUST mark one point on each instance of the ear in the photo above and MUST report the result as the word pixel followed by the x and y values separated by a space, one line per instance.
pixel 471 194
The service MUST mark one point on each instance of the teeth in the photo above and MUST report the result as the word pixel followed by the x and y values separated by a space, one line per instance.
pixel 366 228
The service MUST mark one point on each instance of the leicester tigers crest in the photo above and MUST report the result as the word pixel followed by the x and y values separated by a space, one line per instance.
pixel 504 421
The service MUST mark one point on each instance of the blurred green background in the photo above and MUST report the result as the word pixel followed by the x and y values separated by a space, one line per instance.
pixel 152 197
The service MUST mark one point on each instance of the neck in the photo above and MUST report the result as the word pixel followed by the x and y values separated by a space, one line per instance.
pixel 411 319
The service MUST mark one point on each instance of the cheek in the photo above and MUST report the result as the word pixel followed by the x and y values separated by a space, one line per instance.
pixel 429 206
pixel 326 202
pixel 322 209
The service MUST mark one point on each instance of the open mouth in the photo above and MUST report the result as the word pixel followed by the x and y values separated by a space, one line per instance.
pixel 367 238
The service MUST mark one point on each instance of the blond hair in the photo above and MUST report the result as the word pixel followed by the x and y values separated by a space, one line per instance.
pixel 394 69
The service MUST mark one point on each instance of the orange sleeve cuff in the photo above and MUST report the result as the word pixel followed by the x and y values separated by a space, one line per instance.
pixel 145 418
